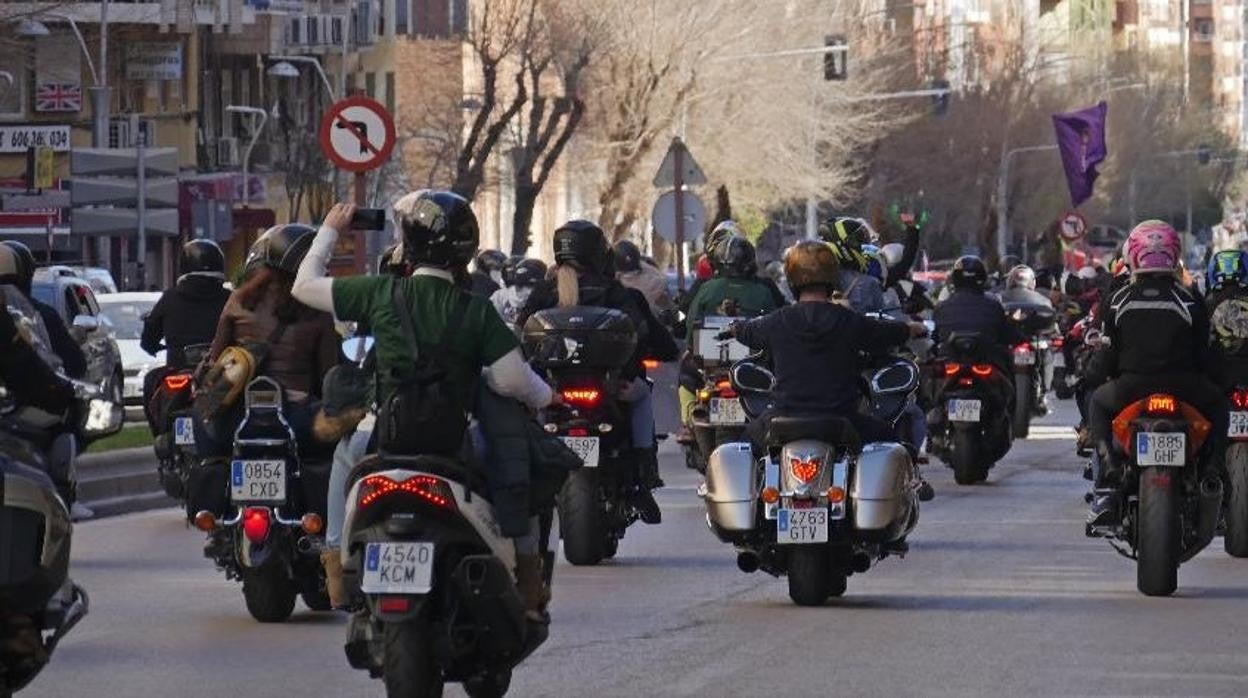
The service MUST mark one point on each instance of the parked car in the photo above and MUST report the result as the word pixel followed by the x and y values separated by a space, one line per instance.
pixel 123 315
pixel 73 298
pixel 101 279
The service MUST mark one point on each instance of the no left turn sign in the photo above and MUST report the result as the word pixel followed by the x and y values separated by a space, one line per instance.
pixel 1072 227
pixel 357 134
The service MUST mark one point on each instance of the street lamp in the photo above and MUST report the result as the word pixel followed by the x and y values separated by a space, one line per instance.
pixel 100 98
pixel 259 118
pixel 1003 194
pixel 283 68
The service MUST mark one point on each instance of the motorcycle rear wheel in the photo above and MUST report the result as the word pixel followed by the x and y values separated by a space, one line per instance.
pixel 1022 405
pixel 1157 533
pixel 409 668
pixel 965 456
pixel 580 519
pixel 1236 540
pixel 491 686
pixel 810 575
pixel 269 594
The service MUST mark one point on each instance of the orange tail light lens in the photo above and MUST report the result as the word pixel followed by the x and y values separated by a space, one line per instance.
pixel 1161 404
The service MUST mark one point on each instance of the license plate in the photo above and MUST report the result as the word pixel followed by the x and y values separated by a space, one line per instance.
pixel 1166 449
pixel 132 390
pixel 1059 360
pixel 586 448
pixel 727 411
pixel 258 481
pixel 183 431
pixel 802 526
pixel 1024 358
pixel 397 568
pixel 1239 425
pixel 964 410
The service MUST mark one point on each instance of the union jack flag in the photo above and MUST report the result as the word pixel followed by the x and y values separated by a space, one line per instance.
pixel 58 97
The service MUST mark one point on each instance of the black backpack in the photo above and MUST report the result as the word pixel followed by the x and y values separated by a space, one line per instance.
pixel 423 416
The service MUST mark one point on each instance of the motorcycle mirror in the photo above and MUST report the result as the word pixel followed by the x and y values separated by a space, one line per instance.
pixel 751 377
pixel 355 348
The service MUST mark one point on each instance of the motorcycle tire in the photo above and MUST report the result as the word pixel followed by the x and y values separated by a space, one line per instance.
pixel 489 686
pixel 1157 533
pixel 810 574
pixel 316 600
pixel 1236 538
pixel 409 668
pixel 1062 389
pixel 269 594
pixel 1022 405
pixel 965 457
pixel 580 519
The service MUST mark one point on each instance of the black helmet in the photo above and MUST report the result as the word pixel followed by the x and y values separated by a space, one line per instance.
pixel 201 255
pixel 969 272
pixel 520 271
pixel 281 247
pixel 439 228
pixel 490 260
pixel 583 245
pixel 627 256
pixel 736 258
pixel 25 264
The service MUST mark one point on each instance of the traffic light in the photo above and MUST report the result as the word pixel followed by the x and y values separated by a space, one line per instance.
pixel 940 102
pixel 836 59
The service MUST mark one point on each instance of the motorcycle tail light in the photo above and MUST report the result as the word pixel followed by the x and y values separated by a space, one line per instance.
pixel 836 495
pixel 952 369
pixel 578 431
pixel 1161 404
pixel 256 524
pixel 770 495
pixel 650 364
pixel 394 604
pixel 581 397
pixel 427 488
pixel 982 370
pixel 725 389
pixel 804 470
pixel 177 382
pixel 1025 347
pixel 1239 398
pixel 1058 342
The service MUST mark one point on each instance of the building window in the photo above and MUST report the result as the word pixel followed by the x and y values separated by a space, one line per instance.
pixel 13 79
pixel 1202 30
pixel 402 13
pixel 370 84
pixel 390 92
pixel 459 17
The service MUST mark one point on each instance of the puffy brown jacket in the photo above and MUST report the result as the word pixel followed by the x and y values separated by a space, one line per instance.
pixel 304 351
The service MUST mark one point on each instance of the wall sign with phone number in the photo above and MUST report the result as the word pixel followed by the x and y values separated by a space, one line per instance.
pixel 18 138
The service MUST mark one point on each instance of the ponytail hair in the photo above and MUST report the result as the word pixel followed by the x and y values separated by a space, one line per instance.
pixel 568 285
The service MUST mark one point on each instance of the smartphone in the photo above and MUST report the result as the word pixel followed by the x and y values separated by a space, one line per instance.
pixel 368 219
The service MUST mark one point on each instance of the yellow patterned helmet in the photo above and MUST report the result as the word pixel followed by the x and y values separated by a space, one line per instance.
pixel 846 236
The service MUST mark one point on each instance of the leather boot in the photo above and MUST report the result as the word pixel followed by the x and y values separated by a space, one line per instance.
pixel 532 587
pixel 331 560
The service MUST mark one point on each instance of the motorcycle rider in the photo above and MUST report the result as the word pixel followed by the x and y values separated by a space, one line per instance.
pixel 301 342
pixel 636 273
pixel 440 236
pixel 18 269
pixel 487 272
pixel 585 275
pixel 520 275
pixel 1227 299
pixel 814 345
pixel 846 236
pixel 187 314
pixel 1020 287
pixel 970 310
pixel 1158 333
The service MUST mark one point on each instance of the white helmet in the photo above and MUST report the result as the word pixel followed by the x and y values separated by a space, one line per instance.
pixel 893 253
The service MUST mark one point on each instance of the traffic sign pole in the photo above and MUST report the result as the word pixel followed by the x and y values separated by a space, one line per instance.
pixel 680 214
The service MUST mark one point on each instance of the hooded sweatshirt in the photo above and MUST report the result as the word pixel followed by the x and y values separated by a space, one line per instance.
pixel 815 349
pixel 185 314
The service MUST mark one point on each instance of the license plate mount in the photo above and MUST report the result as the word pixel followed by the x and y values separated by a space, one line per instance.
pixel 965 410
pixel 258 480
pixel 802 526
pixel 1238 427
pixel 586 448
pixel 1160 449
pixel 398 568
pixel 727 411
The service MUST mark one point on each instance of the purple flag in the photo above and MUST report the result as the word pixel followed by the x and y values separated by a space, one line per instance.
pixel 1081 141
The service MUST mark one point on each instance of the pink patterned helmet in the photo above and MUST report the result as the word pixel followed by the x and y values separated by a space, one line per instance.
pixel 1153 246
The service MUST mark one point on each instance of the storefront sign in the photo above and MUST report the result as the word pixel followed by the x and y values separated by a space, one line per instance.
pixel 154 60
pixel 17 138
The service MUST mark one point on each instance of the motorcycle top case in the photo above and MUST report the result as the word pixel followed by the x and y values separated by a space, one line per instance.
pixel 881 491
pixel 731 489
pixel 580 337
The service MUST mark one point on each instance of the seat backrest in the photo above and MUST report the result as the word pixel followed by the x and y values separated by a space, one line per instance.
pixel 835 431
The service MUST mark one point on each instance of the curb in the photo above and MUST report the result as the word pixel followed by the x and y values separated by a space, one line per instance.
pixel 121 482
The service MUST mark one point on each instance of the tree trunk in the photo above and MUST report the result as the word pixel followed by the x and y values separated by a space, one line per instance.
pixel 522 217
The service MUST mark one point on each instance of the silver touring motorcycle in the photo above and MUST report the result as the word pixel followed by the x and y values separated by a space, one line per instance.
pixel 818 505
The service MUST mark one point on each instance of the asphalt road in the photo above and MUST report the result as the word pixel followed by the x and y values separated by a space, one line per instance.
pixel 1001 594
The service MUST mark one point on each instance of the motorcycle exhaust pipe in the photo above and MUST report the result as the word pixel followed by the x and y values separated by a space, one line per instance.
pixel 305 545
pixel 1208 509
pixel 747 561
pixel 859 562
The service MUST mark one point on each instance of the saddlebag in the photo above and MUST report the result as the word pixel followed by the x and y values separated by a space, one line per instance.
pixel 208 488
pixel 731 491
pixel 882 493
pixel 486 590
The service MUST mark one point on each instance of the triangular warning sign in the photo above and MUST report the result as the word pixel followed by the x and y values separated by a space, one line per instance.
pixel 665 178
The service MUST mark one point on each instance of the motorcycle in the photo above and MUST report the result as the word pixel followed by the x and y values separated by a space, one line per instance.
pixel 581 351
pixel 431 576
pixel 1235 539
pixel 1169 512
pixel 173 426
pixel 273 540
pixel 973 431
pixel 818 506
pixel 1033 366
pixel 718 417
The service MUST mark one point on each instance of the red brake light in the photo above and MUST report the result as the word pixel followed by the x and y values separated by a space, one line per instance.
pixel 982 370
pixel 804 470
pixel 1239 398
pixel 426 487
pixel 650 364
pixel 1159 403
pixel 1025 346
pixel 581 397
pixel 952 369
pixel 724 388
pixel 1058 342
pixel 578 431
pixel 177 381
pixel 256 524
pixel 394 604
